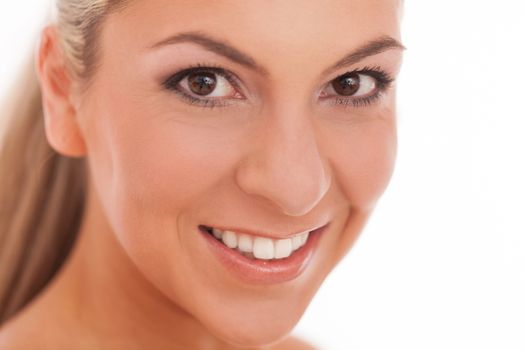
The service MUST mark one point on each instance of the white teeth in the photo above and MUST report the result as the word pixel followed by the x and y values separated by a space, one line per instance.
pixel 230 239
pixel 296 242
pixel 304 237
pixel 217 233
pixel 262 247
pixel 283 248
pixel 245 243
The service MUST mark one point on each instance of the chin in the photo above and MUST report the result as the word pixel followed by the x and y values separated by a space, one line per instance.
pixel 255 334
pixel 255 322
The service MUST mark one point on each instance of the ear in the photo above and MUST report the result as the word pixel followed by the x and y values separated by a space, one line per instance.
pixel 60 115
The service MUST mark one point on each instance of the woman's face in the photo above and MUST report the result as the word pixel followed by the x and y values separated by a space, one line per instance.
pixel 265 118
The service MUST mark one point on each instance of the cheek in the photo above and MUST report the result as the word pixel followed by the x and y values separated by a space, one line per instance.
pixel 162 169
pixel 364 160
pixel 160 159
pixel 149 169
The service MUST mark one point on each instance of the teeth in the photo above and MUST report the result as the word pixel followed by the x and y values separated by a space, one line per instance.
pixel 262 247
pixel 304 238
pixel 296 242
pixel 299 240
pixel 217 233
pixel 230 239
pixel 283 248
pixel 245 243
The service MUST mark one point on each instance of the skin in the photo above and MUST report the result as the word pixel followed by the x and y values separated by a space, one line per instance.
pixel 140 276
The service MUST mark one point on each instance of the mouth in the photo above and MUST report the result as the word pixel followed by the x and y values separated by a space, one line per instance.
pixel 259 259
pixel 256 247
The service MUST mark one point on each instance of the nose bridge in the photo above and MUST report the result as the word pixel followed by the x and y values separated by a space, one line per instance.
pixel 287 168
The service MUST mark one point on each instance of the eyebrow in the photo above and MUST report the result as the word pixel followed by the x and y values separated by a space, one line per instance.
pixel 371 48
pixel 224 49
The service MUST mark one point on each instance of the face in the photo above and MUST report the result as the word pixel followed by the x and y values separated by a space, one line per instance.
pixel 238 148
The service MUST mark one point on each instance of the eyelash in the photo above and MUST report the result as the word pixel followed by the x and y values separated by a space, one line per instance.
pixel 173 81
pixel 383 83
pixel 382 78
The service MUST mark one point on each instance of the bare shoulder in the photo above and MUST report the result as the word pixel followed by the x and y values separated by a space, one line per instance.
pixel 294 343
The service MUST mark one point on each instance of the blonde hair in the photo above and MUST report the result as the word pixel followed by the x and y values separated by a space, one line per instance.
pixel 42 193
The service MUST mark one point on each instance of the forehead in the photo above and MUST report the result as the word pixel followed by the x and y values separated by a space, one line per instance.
pixel 270 30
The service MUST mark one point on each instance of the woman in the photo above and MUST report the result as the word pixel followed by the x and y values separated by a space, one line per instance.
pixel 210 161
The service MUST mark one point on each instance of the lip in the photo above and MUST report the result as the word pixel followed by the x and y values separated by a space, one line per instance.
pixel 264 233
pixel 264 272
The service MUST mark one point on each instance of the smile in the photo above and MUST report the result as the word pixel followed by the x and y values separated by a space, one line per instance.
pixel 262 260
pixel 256 247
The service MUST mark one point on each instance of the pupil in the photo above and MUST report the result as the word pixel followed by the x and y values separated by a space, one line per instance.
pixel 202 83
pixel 347 84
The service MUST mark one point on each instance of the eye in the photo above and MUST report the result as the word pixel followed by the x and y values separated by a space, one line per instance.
pixel 206 86
pixel 352 84
pixel 358 88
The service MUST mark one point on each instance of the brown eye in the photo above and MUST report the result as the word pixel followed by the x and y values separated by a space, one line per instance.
pixel 353 85
pixel 347 85
pixel 205 83
pixel 202 83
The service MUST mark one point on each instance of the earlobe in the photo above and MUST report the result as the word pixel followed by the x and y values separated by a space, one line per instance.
pixel 61 124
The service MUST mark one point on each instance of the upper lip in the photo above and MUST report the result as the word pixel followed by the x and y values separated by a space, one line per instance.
pixel 275 234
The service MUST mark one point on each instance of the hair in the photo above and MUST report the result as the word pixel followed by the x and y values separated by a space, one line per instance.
pixel 42 193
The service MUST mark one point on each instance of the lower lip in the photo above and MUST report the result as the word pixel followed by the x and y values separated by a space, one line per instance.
pixel 256 271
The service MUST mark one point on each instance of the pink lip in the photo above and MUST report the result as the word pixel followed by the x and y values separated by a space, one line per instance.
pixel 265 233
pixel 255 271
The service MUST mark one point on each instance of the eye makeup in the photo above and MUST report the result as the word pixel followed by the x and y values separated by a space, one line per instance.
pixel 173 83
pixel 381 81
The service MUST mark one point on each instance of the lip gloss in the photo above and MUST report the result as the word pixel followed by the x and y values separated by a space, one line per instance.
pixel 258 271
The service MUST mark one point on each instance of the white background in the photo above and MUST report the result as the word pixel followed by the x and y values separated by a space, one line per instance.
pixel 441 264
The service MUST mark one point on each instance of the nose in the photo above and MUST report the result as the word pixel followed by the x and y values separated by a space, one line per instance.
pixel 285 166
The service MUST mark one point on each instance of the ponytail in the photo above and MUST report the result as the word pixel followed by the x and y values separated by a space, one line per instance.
pixel 41 199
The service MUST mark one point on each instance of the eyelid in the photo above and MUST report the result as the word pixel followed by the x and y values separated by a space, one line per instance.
pixel 172 83
pixel 376 72
pixel 382 79
pixel 180 75
pixel 383 82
